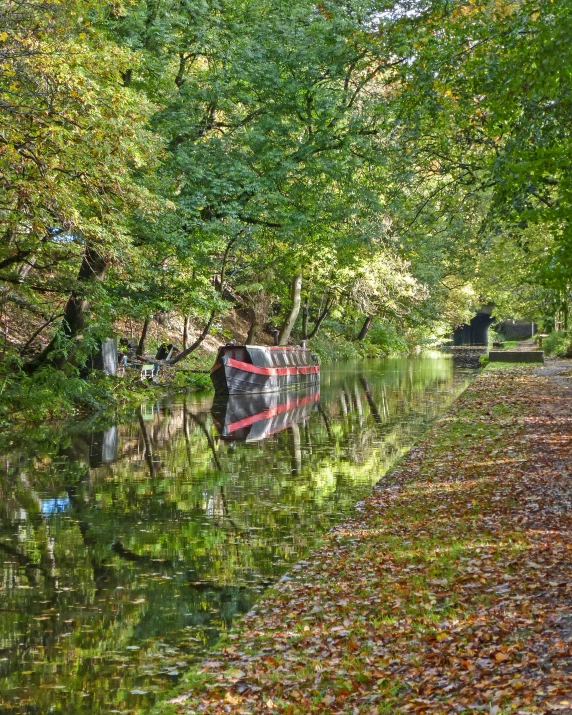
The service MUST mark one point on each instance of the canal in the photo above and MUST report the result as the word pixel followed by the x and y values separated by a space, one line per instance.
pixel 125 549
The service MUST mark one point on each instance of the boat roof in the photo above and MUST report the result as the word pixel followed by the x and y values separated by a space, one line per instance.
pixel 272 355
pixel 267 347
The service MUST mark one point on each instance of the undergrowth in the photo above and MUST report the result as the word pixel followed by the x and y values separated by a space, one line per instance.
pixel 558 343
pixel 54 394
pixel 334 343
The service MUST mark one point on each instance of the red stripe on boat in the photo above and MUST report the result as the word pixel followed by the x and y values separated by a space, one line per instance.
pixel 247 367
pixel 278 410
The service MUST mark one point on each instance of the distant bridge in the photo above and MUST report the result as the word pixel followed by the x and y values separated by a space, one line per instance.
pixel 477 331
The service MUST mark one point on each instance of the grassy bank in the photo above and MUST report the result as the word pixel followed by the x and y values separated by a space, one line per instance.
pixel 446 592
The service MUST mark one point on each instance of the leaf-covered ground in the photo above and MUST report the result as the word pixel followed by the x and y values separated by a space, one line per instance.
pixel 448 591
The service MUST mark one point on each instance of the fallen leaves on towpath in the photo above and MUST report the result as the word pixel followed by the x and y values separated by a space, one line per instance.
pixel 448 591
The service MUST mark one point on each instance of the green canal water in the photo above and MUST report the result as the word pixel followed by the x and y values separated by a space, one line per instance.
pixel 125 549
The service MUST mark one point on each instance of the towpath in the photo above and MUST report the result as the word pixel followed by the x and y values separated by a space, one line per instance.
pixel 526 345
pixel 448 591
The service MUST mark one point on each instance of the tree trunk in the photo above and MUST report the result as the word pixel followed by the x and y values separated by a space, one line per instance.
pixel 141 347
pixel 148 447
pixel 224 264
pixel 294 446
pixel 365 327
pixel 305 321
pixel 251 332
pixel 195 345
pixel 26 305
pixel 185 332
pixel 23 270
pixel 93 268
pixel 320 319
pixel 371 401
pixel 295 290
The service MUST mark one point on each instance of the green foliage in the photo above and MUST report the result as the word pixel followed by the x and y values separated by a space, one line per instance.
pixel 558 343
pixel 48 394
pixel 484 127
pixel 337 342
pixel 409 165
pixel 189 380
pixel 388 339
pixel 331 348
pixel 72 133
pixel 55 394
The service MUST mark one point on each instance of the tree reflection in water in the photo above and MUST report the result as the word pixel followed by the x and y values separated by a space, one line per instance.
pixel 128 548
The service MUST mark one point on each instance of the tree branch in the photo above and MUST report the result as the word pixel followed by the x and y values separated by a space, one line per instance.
pixel 182 355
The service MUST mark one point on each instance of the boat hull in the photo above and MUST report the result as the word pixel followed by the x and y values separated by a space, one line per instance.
pixel 232 377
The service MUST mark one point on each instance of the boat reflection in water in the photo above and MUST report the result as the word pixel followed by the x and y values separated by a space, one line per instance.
pixel 250 418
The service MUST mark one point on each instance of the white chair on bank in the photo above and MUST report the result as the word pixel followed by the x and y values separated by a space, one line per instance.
pixel 147 372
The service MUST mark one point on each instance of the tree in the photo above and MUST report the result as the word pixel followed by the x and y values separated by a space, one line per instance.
pixel 71 135
pixel 484 113
pixel 295 296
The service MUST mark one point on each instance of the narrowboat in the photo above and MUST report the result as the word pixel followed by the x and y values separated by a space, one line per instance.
pixel 245 369
pixel 250 419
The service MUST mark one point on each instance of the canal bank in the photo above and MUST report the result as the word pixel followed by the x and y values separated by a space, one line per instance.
pixel 448 590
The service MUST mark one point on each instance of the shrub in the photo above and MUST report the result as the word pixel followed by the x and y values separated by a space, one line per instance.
pixel 333 347
pixel 54 394
pixel 382 341
pixel 558 343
